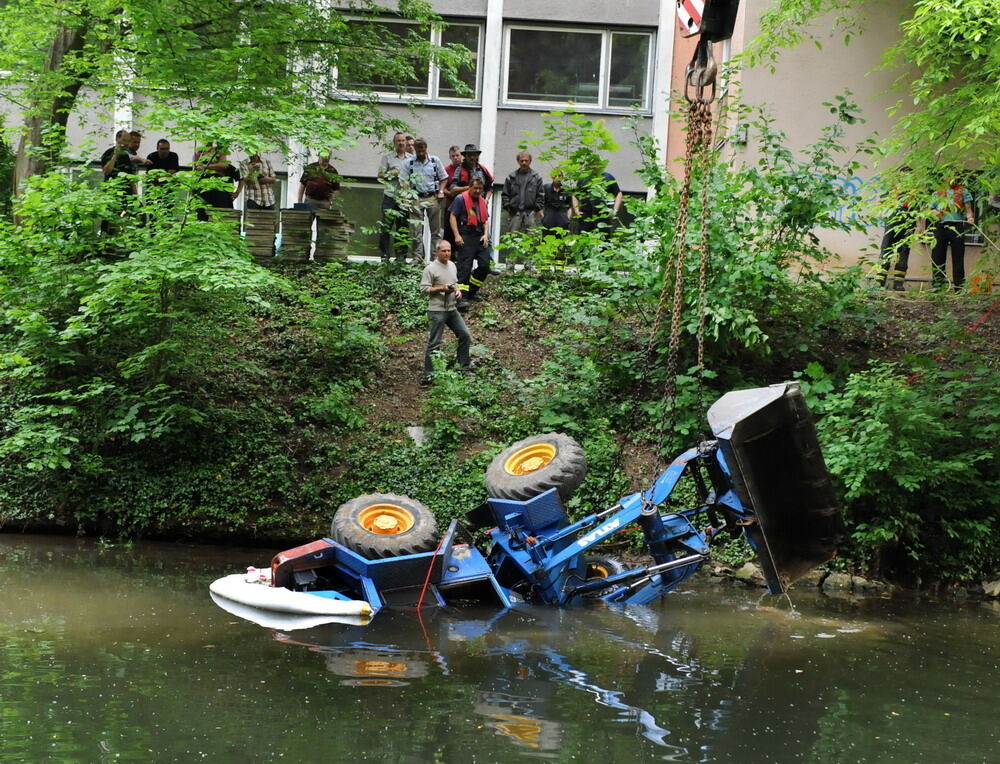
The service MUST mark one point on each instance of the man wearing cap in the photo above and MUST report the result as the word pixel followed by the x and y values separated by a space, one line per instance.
pixel 470 169
pixel 469 218
pixel 392 240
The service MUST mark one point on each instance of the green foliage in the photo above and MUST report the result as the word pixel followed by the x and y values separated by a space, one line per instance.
pixel 574 143
pixel 254 75
pixel 131 348
pixel 433 474
pixel 917 460
pixel 947 64
pixel 953 47
pixel 733 551
pixel 764 287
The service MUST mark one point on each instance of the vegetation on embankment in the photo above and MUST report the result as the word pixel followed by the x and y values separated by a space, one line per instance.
pixel 155 381
pixel 309 404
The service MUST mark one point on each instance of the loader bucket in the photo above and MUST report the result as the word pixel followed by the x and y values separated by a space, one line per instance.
pixel 769 442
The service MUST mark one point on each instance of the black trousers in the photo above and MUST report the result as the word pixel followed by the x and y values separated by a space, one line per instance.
pixel 473 262
pixel 948 233
pixel 895 251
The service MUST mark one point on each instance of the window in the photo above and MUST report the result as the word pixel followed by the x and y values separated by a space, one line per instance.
pixel 426 81
pixel 467 35
pixel 606 69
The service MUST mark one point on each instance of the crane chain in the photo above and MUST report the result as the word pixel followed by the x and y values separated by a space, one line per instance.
pixel 696 158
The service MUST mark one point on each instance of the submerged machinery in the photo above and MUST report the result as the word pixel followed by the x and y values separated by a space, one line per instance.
pixel 762 475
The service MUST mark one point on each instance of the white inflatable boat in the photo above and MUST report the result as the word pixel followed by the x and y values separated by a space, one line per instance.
pixel 258 593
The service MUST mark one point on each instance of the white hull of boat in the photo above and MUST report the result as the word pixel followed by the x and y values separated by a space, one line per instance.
pixel 279 600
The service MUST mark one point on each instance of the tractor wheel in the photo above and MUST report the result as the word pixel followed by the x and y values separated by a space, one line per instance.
pixel 536 464
pixel 599 567
pixel 384 525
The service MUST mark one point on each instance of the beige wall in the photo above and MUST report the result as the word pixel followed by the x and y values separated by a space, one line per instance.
pixel 806 77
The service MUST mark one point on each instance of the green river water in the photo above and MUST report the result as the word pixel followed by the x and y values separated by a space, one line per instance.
pixel 119 654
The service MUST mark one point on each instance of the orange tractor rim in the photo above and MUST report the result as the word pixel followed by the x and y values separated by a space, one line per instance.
pixel 386 519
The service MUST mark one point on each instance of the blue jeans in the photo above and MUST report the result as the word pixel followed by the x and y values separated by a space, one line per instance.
pixel 437 320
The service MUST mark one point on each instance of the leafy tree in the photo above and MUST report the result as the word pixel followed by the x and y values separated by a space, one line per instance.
pixel 255 73
pixel 6 176
pixel 121 317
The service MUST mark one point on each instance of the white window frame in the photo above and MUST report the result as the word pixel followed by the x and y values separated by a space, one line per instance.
pixel 432 95
pixel 604 72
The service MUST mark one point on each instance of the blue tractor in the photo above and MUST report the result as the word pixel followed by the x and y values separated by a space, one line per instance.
pixel 762 475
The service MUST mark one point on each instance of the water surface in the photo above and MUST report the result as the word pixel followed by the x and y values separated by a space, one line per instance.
pixel 113 653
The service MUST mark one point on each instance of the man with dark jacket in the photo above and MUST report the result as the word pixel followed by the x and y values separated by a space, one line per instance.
pixel 469 219
pixel 523 196
pixel 163 158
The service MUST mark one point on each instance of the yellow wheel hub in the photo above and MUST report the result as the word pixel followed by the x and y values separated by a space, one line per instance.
pixel 529 459
pixel 386 519
pixel 596 570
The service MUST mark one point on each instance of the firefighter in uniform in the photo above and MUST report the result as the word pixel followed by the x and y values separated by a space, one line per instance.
pixel 469 216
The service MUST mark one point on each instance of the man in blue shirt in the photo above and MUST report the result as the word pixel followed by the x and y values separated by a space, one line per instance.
pixel 425 176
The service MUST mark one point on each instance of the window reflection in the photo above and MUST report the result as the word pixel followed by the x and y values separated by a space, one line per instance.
pixel 396 36
pixel 554 65
pixel 629 67
pixel 467 35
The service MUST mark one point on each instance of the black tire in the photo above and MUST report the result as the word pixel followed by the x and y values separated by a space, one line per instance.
pixel 560 461
pixel 408 527
pixel 603 566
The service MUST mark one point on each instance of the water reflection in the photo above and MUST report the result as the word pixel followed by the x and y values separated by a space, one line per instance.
pixel 110 653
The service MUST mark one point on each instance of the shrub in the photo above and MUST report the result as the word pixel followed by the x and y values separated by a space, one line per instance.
pixel 918 466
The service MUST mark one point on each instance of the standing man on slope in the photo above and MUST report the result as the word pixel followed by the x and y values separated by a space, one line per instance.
pixel 439 283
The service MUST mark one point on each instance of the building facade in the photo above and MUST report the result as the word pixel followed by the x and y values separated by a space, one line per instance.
pixel 616 62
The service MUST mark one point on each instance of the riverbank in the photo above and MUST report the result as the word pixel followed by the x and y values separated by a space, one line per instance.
pixel 837 583
pixel 313 398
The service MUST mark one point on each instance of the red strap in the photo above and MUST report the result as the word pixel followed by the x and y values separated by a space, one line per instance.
pixel 430 570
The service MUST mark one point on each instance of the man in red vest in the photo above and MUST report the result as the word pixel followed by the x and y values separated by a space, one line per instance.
pixel 469 217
